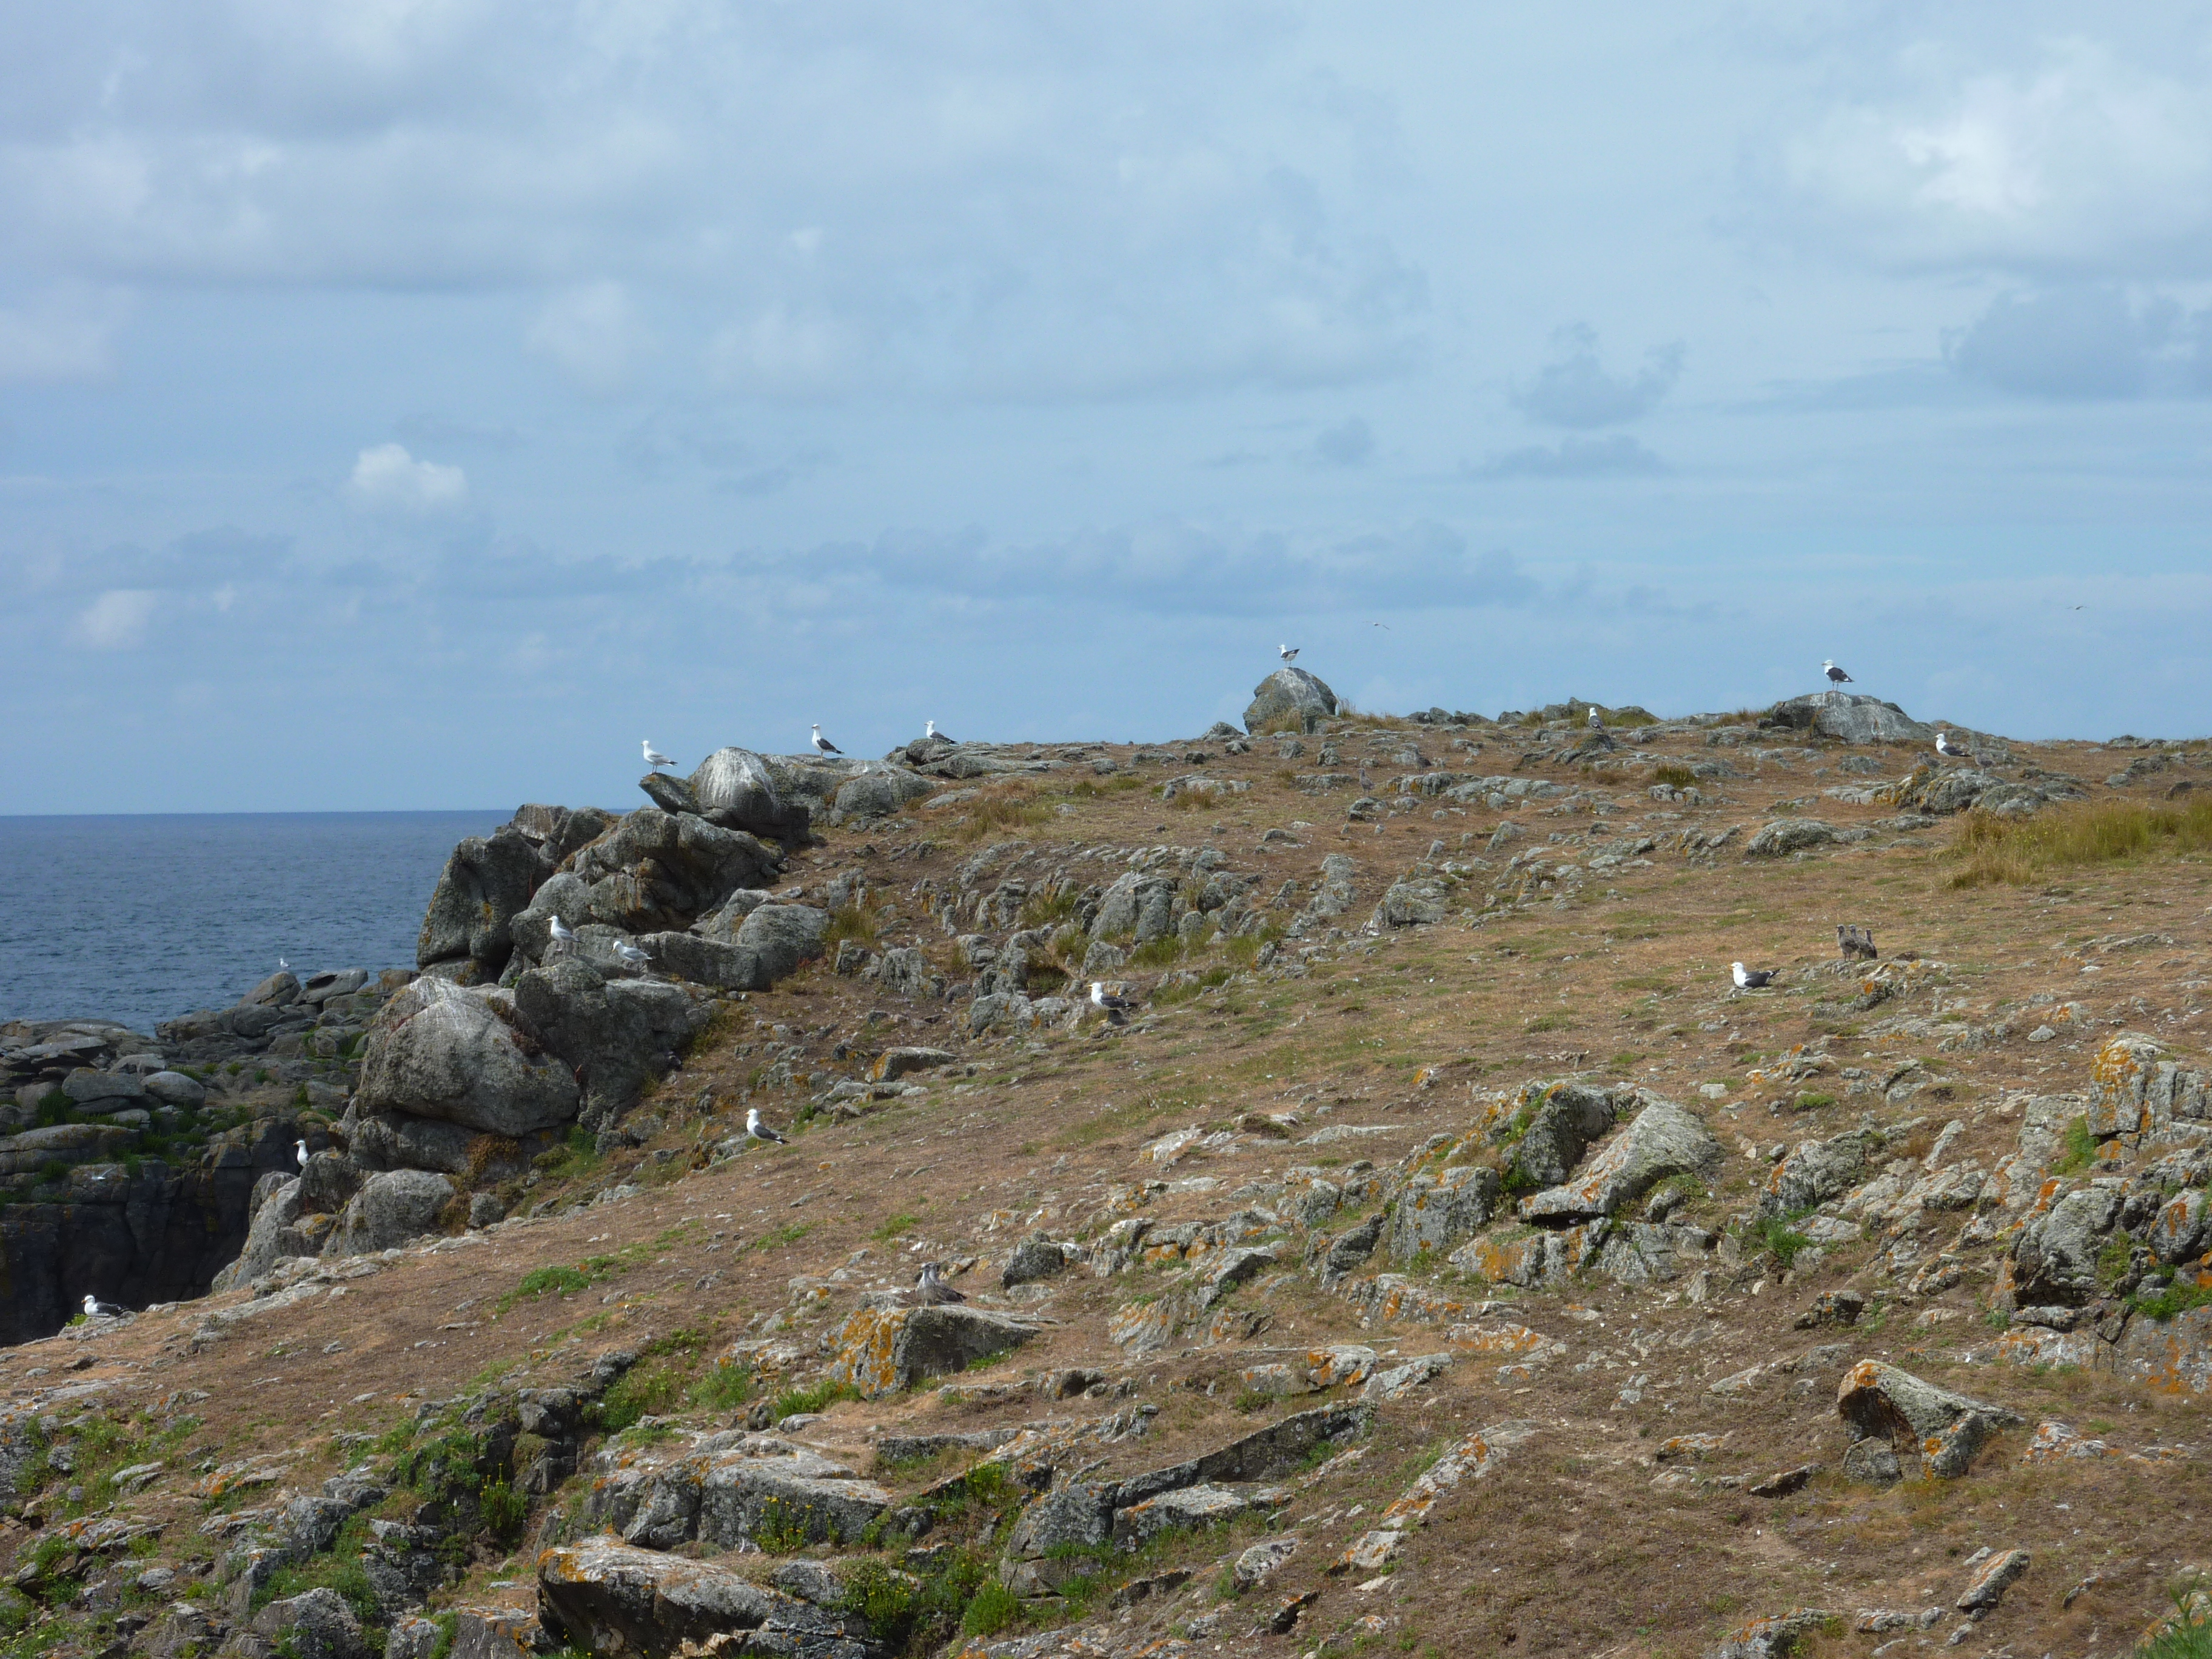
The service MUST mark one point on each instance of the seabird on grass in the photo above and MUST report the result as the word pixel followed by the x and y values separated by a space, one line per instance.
pixel 929 730
pixel 1290 652
pixel 1750 979
pixel 930 1290
pixel 823 745
pixel 1836 676
pixel 558 937
pixel 96 1309
pixel 1943 746
pixel 1117 1008
pixel 757 1130
pixel 653 757
pixel 300 1151
pixel 1855 941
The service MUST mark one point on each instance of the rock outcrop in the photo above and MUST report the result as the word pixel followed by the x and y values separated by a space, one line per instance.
pixel 1289 697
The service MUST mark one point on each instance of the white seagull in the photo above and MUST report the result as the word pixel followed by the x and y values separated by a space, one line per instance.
pixel 930 1290
pixel 1596 722
pixel 632 957
pixel 929 730
pixel 1943 745
pixel 1750 979
pixel 300 1151
pixel 823 745
pixel 653 757
pixel 559 937
pixel 757 1130
pixel 1836 676
pixel 96 1309
pixel 1290 652
pixel 1116 1008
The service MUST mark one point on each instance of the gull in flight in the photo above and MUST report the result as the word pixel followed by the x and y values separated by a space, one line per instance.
pixel 1117 1008
pixel 929 730
pixel 96 1309
pixel 1836 676
pixel 300 1151
pixel 561 938
pixel 823 745
pixel 1750 979
pixel 930 1290
pixel 757 1130
pixel 1290 652
pixel 653 757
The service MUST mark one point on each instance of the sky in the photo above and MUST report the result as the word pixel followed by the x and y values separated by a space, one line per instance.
pixel 414 403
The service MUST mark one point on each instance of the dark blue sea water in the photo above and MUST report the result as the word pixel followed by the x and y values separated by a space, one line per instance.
pixel 144 917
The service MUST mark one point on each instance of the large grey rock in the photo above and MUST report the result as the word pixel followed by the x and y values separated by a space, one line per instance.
pixel 1035 1258
pixel 1848 718
pixel 885 1351
pixel 1267 1454
pixel 1566 1117
pixel 737 789
pixel 318 1625
pixel 783 936
pixel 881 791
pixel 614 1034
pixel 279 990
pixel 705 961
pixel 1772 1638
pixel 1436 1212
pixel 397 1141
pixel 656 872
pixel 1185 1508
pixel 2055 1256
pixel 274 1235
pixel 606 1597
pixel 104 1091
pixel 486 881
pixel 1663 1139
pixel 1787 836
pixel 1139 905
pixel 906 970
pixel 389 1210
pixel 559 832
pixel 722 923
pixel 176 1089
pixel 1818 1170
pixel 741 1497
pixel 2182 1228
pixel 564 893
pixel 1880 1402
pixel 62 1143
pixel 1292 695
pixel 444 1051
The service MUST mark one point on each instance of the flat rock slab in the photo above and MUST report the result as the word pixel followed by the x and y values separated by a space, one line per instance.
pixel 607 1598
pixel 887 1350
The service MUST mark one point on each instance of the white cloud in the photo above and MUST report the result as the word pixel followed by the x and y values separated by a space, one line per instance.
pixel 592 331
pixel 387 477
pixel 1574 390
pixel 115 621
pixel 2083 162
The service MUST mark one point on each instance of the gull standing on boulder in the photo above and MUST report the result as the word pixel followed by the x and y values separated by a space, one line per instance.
pixel 653 757
pixel 1943 746
pixel 757 1130
pixel 300 1151
pixel 1596 723
pixel 96 1309
pixel 558 937
pixel 929 730
pixel 823 745
pixel 1290 652
pixel 1750 979
pixel 631 954
pixel 1836 676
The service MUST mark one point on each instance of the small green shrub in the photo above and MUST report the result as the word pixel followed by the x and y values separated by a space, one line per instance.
pixel 781 1528
pixel 551 1281
pixel 991 1609
pixel 792 1402
pixel 505 1509
pixel 2172 1301
pixel 1779 1234
pixel 1162 952
pixel 2079 1149
pixel 724 1386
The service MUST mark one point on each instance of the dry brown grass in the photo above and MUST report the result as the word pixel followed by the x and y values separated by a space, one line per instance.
pixel 2021 852
pixel 1009 808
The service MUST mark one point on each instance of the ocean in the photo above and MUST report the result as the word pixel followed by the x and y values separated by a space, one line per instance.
pixel 137 918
